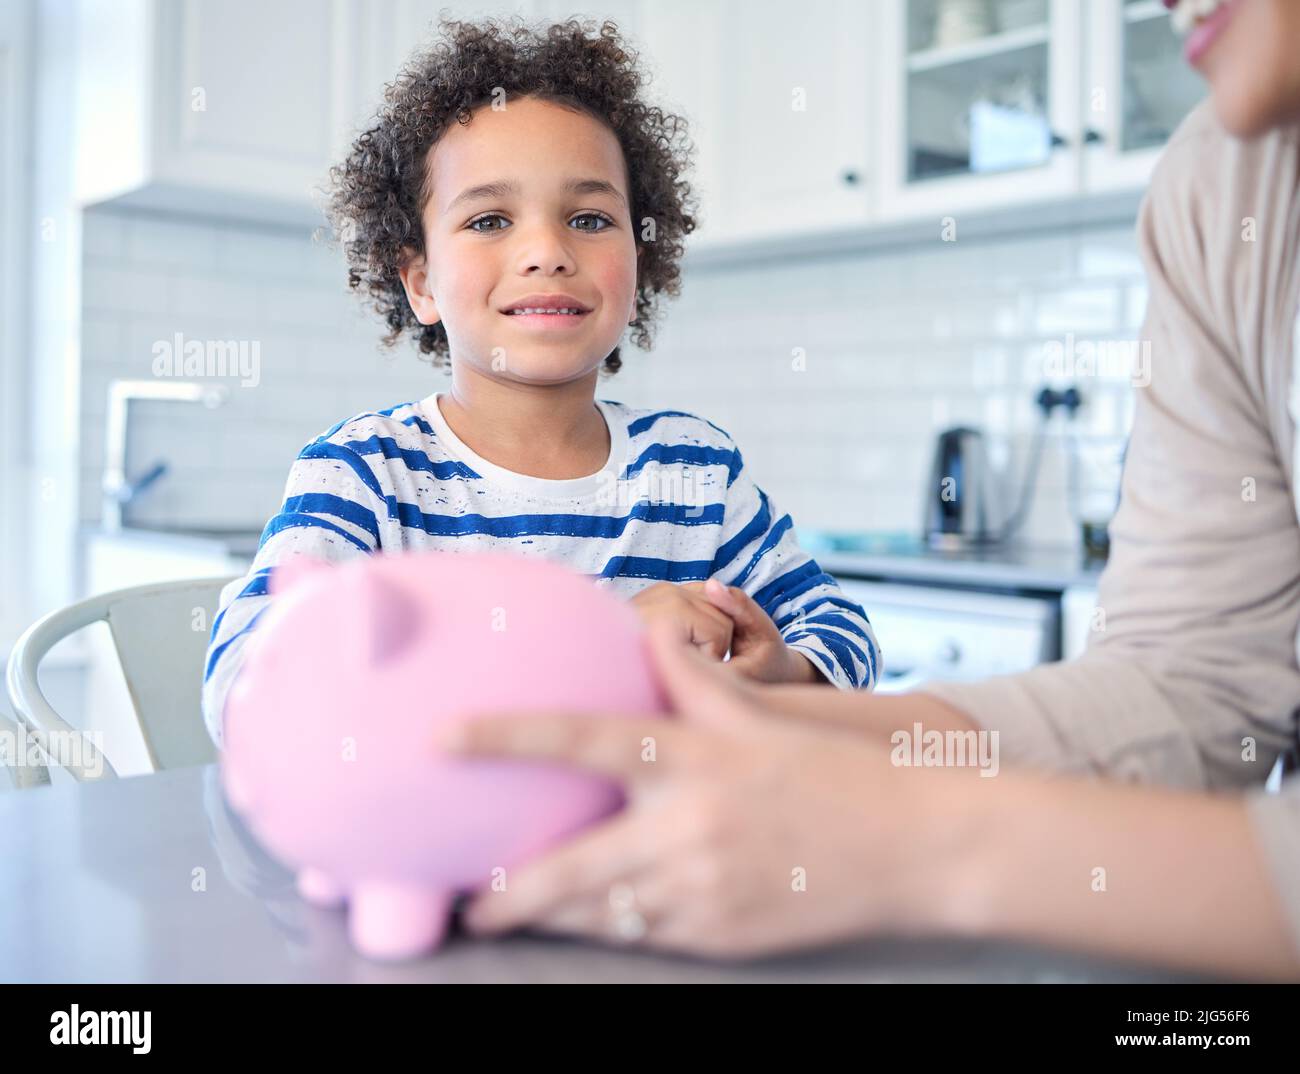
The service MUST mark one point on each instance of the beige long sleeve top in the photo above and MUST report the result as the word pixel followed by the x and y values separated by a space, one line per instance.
pixel 1191 679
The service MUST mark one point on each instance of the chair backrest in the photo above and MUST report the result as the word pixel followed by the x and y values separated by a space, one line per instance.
pixel 162 641
pixel 21 774
pixel 161 636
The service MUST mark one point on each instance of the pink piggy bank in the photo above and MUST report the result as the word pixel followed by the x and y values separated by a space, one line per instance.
pixel 329 750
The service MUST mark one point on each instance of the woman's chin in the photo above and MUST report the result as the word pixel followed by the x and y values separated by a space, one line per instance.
pixel 1247 115
pixel 1251 71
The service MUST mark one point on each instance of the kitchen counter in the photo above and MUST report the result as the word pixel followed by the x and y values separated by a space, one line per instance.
pixel 904 558
pixel 233 543
pixel 100 885
pixel 894 557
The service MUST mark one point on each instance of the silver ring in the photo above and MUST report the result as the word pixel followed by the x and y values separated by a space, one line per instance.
pixel 630 924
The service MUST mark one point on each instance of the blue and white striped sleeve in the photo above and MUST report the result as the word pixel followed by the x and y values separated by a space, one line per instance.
pixel 329 512
pixel 759 554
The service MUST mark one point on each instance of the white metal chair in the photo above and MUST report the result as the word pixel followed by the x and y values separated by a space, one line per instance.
pixel 161 654
pixel 21 774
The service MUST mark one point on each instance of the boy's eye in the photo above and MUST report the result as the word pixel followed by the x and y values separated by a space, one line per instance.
pixel 601 222
pixel 594 216
pixel 472 225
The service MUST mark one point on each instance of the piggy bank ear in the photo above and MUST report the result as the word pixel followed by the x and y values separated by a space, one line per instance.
pixel 286 575
pixel 387 617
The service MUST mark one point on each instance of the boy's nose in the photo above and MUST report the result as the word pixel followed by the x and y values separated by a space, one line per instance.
pixel 542 249
pixel 548 267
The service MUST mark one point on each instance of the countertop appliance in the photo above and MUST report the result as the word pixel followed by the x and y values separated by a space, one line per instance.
pixel 960 497
pixel 964 501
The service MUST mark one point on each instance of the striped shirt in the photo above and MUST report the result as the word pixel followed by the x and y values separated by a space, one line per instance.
pixel 672 503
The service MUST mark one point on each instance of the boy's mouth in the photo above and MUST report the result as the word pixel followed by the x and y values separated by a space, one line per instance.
pixel 547 311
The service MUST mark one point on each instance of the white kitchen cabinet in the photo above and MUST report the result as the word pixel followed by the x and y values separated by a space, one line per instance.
pixel 997 104
pixel 935 634
pixel 1136 91
pixel 379 38
pixel 180 106
pixel 626 13
pixel 779 111
pixel 846 117
pixel 232 107
pixel 789 130
pixel 680 44
pixel 985 104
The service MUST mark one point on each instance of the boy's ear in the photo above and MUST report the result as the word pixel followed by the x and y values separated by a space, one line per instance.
pixel 415 281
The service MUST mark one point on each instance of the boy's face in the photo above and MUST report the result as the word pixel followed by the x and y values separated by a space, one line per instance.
pixel 535 234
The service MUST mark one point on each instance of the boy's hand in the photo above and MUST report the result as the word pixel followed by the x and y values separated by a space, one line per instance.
pixel 689 612
pixel 757 648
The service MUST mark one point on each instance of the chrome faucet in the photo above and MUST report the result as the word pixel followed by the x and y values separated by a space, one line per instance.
pixel 118 490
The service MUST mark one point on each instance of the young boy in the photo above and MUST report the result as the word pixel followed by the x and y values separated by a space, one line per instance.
pixel 515 207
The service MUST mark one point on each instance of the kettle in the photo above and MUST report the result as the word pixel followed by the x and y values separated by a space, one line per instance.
pixel 960 498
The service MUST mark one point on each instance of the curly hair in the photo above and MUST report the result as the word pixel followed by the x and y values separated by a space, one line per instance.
pixel 377 193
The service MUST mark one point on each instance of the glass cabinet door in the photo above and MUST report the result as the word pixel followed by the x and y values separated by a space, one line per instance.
pixel 988 95
pixel 977 86
pixel 1141 89
pixel 1159 88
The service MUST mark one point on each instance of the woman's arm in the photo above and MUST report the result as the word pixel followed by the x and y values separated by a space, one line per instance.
pixel 875 715
pixel 752 834
pixel 1160 877
pixel 1107 869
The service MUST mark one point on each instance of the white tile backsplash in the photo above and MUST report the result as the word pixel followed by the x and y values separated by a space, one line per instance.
pixel 167 242
pixel 148 278
pixel 896 344
pixel 122 288
pixel 1081 311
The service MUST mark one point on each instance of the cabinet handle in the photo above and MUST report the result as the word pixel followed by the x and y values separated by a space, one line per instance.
pixel 1059 141
pixel 1092 136
pixel 849 177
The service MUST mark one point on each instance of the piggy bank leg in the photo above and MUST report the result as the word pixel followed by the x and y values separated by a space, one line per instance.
pixel 392 921
pixel 318 889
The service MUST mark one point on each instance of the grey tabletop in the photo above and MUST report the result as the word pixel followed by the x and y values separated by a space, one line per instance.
pixel 155 879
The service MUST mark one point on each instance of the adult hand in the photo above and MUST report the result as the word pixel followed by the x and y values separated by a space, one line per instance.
pixel 688 615
pixel 745 834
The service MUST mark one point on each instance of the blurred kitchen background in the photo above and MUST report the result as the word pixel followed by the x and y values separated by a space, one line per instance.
pixel 916 215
